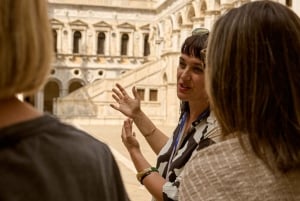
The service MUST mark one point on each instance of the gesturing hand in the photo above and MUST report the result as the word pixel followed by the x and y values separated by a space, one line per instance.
pixel 127 105
pixel 128 136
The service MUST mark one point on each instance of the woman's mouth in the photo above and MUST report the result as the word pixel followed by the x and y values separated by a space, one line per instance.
pixel 183 88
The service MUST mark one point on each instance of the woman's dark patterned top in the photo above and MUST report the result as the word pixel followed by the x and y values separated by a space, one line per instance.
pixel 170 163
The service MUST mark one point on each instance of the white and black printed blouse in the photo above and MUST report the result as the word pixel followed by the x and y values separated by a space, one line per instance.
pixel 171 159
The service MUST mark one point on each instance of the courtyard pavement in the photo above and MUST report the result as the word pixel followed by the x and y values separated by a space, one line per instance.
pixel 111 135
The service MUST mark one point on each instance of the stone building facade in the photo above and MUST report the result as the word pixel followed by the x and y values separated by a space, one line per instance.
pixel 132 42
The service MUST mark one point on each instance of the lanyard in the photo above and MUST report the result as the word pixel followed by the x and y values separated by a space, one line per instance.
pixel 180 132
pixel 179 136
pixel 182 122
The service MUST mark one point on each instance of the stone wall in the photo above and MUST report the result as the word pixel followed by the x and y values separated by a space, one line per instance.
pixel 79 87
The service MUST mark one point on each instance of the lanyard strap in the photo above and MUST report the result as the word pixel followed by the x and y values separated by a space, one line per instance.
pixel 182 122
pixel 180 132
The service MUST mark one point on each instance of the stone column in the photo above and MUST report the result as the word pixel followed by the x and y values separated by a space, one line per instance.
pixel 132 43
pixel 59 41
pixel 198 22
pixel 210 17
pixel 175 40
pixel 39 100
pixel 186 31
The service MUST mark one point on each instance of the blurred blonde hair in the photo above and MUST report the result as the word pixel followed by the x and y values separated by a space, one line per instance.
pixel 25 46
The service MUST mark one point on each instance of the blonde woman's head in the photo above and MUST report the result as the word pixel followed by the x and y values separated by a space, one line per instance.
pixel 25 46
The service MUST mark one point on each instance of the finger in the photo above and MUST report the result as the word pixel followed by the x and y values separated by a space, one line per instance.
pixel 123 133
pixel 135 93
pixel 128 128
pixel 122 90
pixel 131 122
pixel 114 107
pixel 117 99
pixel 117 93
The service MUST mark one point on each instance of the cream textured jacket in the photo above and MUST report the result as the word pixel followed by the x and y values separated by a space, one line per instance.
pixel 224 171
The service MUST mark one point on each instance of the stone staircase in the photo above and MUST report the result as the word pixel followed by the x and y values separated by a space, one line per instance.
pixel 90 104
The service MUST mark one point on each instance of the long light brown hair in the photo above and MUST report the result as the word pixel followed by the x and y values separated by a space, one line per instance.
pixel 253 79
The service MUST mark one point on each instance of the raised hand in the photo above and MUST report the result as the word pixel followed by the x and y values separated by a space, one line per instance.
pixel 127 105
pixel 128 136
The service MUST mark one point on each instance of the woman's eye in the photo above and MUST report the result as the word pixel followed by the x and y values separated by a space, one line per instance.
pixel 182 65
pixel 198 69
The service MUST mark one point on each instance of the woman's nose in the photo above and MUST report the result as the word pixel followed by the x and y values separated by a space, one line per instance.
pixel 186 75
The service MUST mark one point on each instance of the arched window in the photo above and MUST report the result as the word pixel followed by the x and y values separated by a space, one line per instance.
pixel 288 3
pixel 74 86
pixel 124 44
pixel 146 45
pixel 100 44
pixel 54 40
pixel 51 91
pixel 76 41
